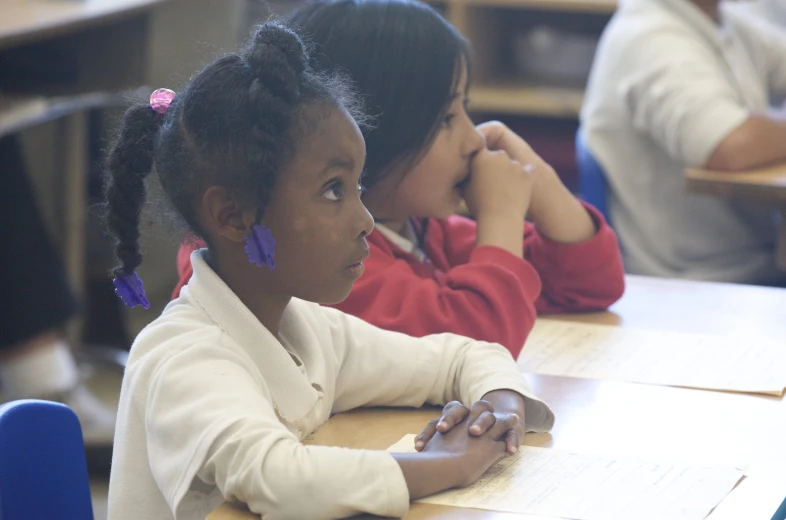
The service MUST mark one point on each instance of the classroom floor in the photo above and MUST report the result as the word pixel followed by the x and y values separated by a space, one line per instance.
pixel 99 489
pixel 105 384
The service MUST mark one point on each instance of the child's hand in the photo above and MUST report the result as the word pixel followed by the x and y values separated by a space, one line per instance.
pixel 498 186
pixel 554 210
pixel 479 420
pixel 500 137
pixel 468 455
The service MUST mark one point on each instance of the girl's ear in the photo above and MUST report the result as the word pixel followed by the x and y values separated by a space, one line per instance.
pixel 224 216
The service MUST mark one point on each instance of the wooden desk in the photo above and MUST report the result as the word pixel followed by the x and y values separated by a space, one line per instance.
pixel 766 185
pixel 627 419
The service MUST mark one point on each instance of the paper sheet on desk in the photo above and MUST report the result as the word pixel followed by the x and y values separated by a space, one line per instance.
pixel 559 484
pixel 740 364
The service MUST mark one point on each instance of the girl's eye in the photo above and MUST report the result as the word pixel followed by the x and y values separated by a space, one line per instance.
pixel 447 120
pixel 361 189
pixel 333 192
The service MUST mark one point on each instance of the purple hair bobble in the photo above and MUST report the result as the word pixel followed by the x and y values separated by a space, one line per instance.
pixel 129 288
pixel 261 247
pixel 160 99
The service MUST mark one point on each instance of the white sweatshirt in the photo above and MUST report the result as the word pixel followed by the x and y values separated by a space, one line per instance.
pixel 214 407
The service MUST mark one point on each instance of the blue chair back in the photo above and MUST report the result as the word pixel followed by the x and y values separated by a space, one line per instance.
pixel 592 179
pixel 43 471
pixel 780 514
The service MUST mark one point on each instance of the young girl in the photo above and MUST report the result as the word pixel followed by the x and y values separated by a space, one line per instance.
pixel 431 271
pixel 262 159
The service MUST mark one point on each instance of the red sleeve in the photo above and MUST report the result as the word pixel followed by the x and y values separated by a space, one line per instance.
pixel 184 269
pixel 490 297
pixel 577 277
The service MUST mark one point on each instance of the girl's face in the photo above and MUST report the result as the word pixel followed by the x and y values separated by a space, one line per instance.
pixel 316 216
pixel 432 188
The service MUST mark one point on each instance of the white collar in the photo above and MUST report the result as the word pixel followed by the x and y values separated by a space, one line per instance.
pixel 292 392
pixel 408 242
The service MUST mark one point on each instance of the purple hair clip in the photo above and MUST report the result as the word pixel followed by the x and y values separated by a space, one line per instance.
pixel 160 99
pixel 129 288
pixel 261 246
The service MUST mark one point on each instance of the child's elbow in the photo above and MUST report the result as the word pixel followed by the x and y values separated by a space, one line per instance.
pixel 281 483
pixel 739 150
pixel 290 499
pixel 616 290
pixel 727 158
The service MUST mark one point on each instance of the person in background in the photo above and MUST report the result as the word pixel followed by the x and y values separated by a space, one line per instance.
pixel 35 359
pixel 682 84
pixel 431 270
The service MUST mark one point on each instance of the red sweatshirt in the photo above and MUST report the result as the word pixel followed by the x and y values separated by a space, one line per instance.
pixel 482 292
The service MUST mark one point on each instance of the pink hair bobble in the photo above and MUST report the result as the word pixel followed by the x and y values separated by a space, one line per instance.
pixel 160 99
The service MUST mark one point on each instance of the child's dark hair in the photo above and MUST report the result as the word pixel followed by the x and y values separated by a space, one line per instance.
pixel 236 124
pixel 404 60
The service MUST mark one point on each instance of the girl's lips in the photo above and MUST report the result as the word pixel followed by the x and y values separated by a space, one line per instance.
pixel 356 270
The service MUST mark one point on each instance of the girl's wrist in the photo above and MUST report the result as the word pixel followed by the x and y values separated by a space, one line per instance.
pixel 559 216
pixel 503 230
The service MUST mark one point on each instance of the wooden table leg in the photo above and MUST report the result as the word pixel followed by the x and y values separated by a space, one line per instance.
pixel 73 152
pixel 780 254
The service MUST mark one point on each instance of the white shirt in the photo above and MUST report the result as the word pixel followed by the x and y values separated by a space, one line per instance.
pixel 214 407
pixel 667 86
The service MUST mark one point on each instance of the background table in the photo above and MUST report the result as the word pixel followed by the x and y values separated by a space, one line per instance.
pixel 765 185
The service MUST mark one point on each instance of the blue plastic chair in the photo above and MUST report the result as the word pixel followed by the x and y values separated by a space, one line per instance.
pixel 780 514
pixel 43 471
pixel 592 179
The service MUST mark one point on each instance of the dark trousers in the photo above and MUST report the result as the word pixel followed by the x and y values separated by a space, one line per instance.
pixel 34 292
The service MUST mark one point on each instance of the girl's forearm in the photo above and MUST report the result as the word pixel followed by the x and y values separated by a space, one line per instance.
pixel 427 473
pixel 558 215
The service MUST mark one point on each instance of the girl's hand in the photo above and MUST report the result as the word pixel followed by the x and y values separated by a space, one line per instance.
pixel 457 449
pixel 478 420
pixel 498 186
pixel 500 137
pixel 554 210
pixel 498 196
pixel 468 455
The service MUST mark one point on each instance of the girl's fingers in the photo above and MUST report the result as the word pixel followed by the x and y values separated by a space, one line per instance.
pixel 492 131
pixel 505 422
pixel 478 408
pixel 426 435
pixel 512 442
pixel 482 424
pixel 451 416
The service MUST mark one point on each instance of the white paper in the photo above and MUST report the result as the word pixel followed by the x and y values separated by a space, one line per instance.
pixel 742 364
pixel 560 484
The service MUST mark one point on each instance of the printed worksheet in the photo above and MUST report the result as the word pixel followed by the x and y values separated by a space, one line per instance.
pixel 559 484
pixel 741 364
